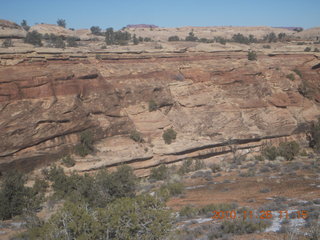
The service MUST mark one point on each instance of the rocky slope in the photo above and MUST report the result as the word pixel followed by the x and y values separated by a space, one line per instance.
pixel 212 100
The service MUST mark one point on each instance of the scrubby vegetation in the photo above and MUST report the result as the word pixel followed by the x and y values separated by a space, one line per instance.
pixel 117 38
pixel 153 106
pixel 252 56
pixel 191 37
pixel 287 150
pixel 68 161
pixel 85 146
pixel 25 25
pixel 16 198
pixel 61 23
pixel 96 30
pixel 7 43
pixel 34 38
pixel 169 135
pixel 136 136
pixel 173 38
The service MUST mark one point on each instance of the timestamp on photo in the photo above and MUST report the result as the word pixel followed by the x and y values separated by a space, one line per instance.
pixel 249 215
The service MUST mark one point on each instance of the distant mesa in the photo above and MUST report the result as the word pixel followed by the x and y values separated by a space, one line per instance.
pixel 298 29
pixel 141 26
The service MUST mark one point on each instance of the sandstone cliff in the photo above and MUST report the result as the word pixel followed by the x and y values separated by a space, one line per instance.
pixel 210 99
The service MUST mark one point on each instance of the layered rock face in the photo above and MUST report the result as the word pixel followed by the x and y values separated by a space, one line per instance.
pixel 212 101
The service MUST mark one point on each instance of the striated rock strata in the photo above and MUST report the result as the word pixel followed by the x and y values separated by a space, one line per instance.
pixel 212 100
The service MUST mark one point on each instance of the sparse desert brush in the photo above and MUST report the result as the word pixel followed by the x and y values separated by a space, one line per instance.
pixel 169 135
pixel 252 56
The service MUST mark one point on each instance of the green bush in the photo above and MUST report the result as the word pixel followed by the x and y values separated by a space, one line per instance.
pixel 297 71
pixel 244 226
pixel 314 136
pixel 188 211
pixel 72 42
pixel 96 30
pixel 199 164
pixel 85 146
pixel 269 152
pixel 159 173
pixel 186 167
pixel 191 37
pixel 215 167
pixel 142 217
pixel 136 136
pixel 153 106
pixel 266 46
pixel 7 43
pixel 34 38
pixel 252 56
pixel 169 135
pixel 68 161
pixel 290 76
pixel 316 50
pixel 307 49
pixel 15 198
pixel 289 150
pixel 171 189
pixel 173 38
pixel 61 23
pixel 24 25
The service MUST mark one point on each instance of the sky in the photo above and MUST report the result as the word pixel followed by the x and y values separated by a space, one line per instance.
pixel 164 13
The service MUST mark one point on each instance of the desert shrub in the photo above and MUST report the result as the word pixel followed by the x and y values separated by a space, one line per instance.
pixel 147 39
pixel 142 217
pixel 297 71
pixel 215 167
pixel 239 38
pixel 220 40
pixel 269 152
pixel 266 46
pixel 172 189
pixel 68 161
pixel 264 190
pixel 249 173
pixel 173 38
pixel 306 90
pixel 314 135
pixel 7 43
pixel 34 38
pixel 24 25
pixel 153 106
pixel 191 37
pixel 72 42
pixel 95 30
pixel 169 135
pixel 55 40
pixel 188 211
pixel 307 49
pixel 136 136
pixel 159 173
pixel 117 38
pixel 61 23
pixel 85 146
pixel 270 37
pixel 259 158
pixel 199 164
pixel 301 43
pixel 316 50
pixel 252 56
pixel 244 226
pixel 15 198
pixel 208 209
pixel 186 167
pixel 290 76
pixel 158 46
pixel 288 150
pixel 97 190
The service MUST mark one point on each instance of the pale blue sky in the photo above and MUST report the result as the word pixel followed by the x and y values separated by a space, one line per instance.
pixel 165 13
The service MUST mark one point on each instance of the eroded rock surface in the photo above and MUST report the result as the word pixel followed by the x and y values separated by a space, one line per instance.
pixel 210 99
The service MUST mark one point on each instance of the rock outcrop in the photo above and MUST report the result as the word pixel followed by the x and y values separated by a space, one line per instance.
pixel 11 30
pixel 212 100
